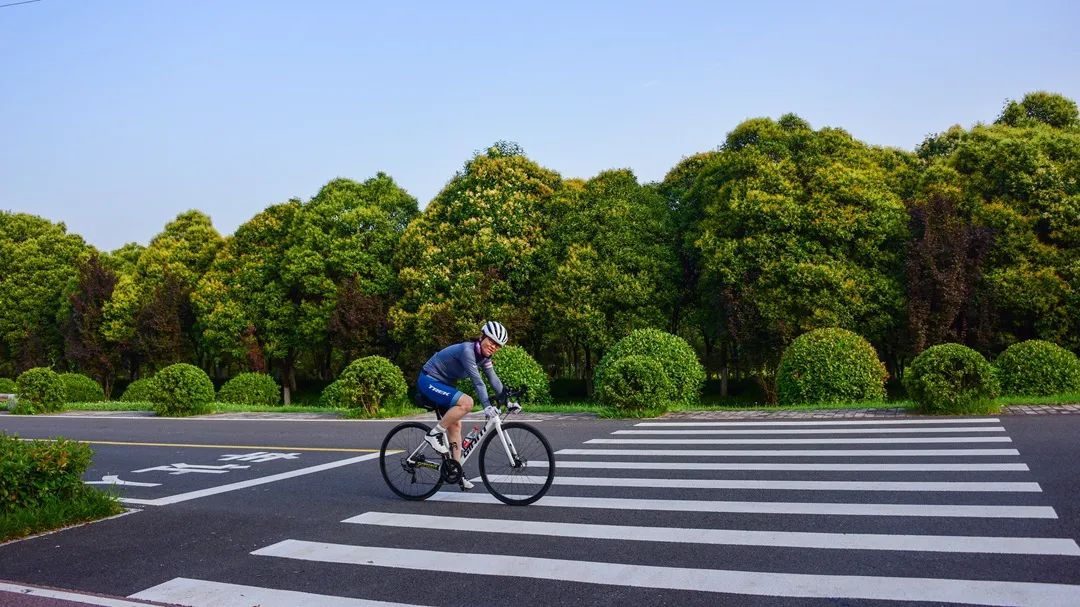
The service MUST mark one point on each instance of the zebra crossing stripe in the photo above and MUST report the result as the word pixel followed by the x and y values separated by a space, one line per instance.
pixel 793 467
pixel 801 508
pixel 846 541
pixel 979 592
pixel 799 441
pixel 201 593
pixel 865 422
pixel 699 483
pixel 817 431
pixel 794 452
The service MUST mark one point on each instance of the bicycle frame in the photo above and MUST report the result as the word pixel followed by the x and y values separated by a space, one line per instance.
pixel 492 422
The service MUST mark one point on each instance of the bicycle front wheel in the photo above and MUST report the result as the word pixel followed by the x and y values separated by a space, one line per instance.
pixel 518 470
pixel 409 465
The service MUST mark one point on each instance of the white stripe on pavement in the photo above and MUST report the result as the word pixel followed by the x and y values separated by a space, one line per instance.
pixel 846 541
pixel 813 508
pixel 183 497
pixel 602 465
pixel 698 483
pixel 798 441
pixel 818 431
pixel 703 580
pixel 867 422
pixel 63 595
pixel 202 593
pixel 793 452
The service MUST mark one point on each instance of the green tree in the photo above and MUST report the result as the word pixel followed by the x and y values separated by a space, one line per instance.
pixel 84 344
pixel 1019 182
pixel 802 229
pixel 150 312
pixel 474 254
pixel 273 290
pixel 614 268
pixel 39 266
pixel 1040 107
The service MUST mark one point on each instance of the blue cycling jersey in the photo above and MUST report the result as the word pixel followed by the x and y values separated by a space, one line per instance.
pixel 456 362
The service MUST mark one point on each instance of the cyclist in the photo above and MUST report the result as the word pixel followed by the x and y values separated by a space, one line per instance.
pixel 442 372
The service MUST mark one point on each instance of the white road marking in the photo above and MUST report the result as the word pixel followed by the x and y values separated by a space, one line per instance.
pixel 979 592
pixel 818 431
pixel 202 593
pixel 738 537
pixel 811 508
pixel 699 483
pixel 799 441
pixel 863 422
pixel 793 452
pixel 114 479
pixel 602 465
pixel 183 497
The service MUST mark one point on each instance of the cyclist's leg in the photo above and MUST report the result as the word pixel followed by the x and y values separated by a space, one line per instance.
pixel 451 420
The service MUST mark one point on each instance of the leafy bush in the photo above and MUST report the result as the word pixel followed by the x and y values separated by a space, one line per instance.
pixel 371 383
pixel 251 389
pixel 1037 368
pixel 516 368
pixel 79 388
pixel 332 397
pixel 675 356
pixel 7 386
pixel 830 366
pixel 634 383
pixel 38 390
pixel 951 379
pixel 182 389
pixel 33 471
pixel 140 391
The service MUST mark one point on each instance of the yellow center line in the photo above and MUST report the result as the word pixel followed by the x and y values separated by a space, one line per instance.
pixel 259 447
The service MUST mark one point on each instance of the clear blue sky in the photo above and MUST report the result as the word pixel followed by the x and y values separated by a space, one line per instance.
pixel 116 115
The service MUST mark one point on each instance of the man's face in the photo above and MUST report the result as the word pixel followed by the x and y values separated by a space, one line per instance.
pixel 488 347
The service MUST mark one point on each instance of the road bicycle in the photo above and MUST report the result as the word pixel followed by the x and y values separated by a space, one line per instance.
pixel 517 464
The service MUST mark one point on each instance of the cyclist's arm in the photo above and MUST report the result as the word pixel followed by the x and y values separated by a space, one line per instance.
pixel 496 384
pixel 474 375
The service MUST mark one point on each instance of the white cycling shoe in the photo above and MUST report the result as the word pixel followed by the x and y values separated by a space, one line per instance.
pixel 465 484
pixel 437 440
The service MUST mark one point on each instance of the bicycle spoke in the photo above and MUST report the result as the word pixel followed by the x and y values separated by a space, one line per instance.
pixel 416 477
pixel 526 477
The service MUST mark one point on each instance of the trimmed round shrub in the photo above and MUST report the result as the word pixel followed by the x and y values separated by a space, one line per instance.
pixel 79 388
pixel 636 383
pixel 827 366
pixel 251 389
pixel 1037 368
pixel 331 396
pixel 370 384
pixel 38 390
pixel 140 391
pixel 182 389
pixel 675 356
pixel 951 379
pixel 516 368
pixel 7 386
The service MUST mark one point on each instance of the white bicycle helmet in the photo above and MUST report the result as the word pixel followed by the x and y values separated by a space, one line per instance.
pixel 496 331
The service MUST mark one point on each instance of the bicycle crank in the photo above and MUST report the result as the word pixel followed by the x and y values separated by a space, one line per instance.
pixel 451 471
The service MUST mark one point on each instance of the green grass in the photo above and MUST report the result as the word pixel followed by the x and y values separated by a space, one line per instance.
pixel 88 505
pixel 577 405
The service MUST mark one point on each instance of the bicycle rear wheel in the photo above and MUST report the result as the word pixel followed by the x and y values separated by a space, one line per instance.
pixel 519 480
pixel 417 478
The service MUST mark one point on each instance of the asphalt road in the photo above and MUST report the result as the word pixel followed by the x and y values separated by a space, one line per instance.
pixel 865 512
